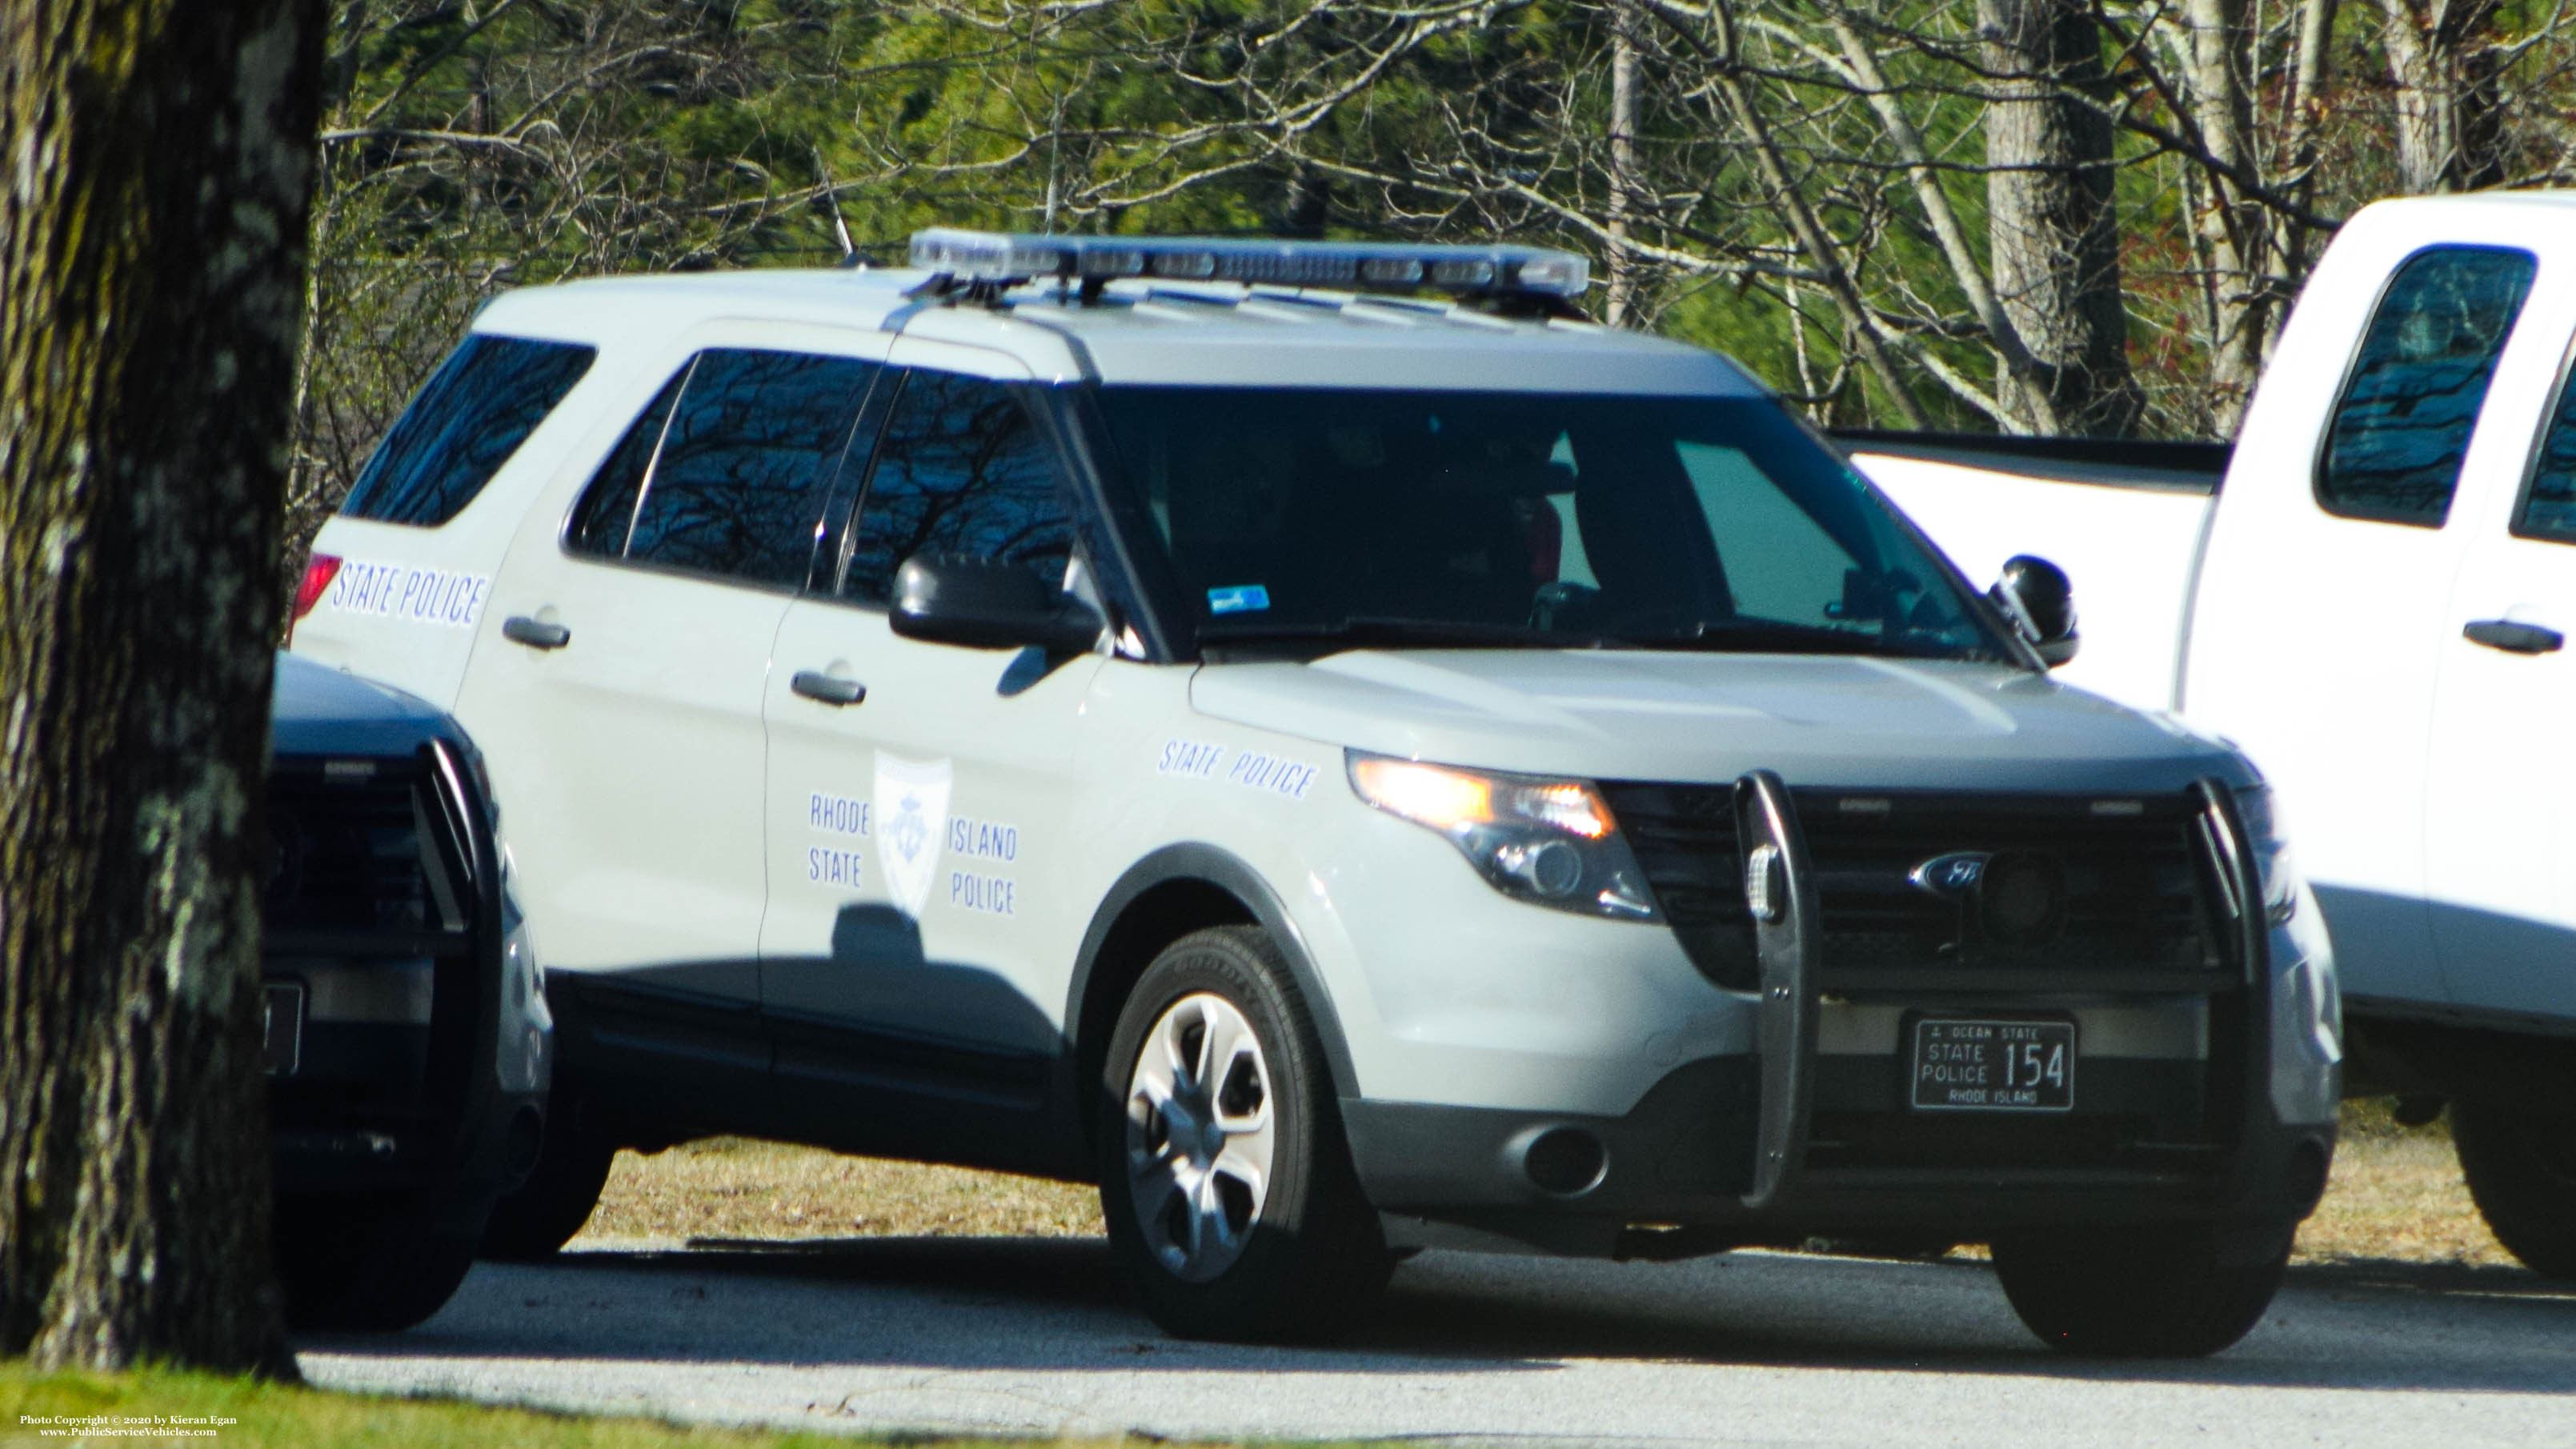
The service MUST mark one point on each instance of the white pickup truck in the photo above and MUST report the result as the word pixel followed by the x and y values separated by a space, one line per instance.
pixel 2371 597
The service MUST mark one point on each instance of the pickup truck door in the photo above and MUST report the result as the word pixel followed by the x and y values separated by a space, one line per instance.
pixel 2318 627
pixel 2500 837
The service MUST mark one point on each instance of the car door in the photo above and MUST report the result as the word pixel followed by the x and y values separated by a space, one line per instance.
pixel 2500 835
pixel 918 945
pixel 624 709
pixel 2318 627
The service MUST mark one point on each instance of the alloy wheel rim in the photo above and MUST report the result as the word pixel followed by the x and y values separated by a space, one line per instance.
pixel 1201 1133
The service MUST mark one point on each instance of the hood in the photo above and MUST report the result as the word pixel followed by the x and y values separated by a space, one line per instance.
pixel 316 710
pixel 1827 720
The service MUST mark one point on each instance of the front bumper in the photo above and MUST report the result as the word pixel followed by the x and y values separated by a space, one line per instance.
pixel 1675 1171
pixel 1790 1141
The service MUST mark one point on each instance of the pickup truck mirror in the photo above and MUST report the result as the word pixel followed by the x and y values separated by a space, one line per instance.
pixel 988 604
pixel 2034 594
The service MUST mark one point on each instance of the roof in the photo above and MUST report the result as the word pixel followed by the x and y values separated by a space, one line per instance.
pixel 1151 332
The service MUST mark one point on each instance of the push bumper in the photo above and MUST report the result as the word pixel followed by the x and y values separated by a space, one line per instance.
pixel 1786 1143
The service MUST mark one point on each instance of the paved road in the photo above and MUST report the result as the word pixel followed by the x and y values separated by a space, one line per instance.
pixel 1019 1336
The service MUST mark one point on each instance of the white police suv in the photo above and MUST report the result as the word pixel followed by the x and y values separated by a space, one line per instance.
pixel 1350 757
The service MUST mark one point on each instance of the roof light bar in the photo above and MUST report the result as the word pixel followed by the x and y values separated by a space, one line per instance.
pixel 991 257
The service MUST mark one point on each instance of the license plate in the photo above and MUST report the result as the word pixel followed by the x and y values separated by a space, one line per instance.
pixel 282 1027
pixel 1994 1066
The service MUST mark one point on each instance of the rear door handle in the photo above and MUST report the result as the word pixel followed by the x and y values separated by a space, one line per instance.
pixel 816 685
pixel 2514 638
pixel 520 629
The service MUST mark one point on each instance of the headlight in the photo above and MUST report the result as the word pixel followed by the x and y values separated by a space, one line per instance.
pixel 1545 841
pixel 2271 853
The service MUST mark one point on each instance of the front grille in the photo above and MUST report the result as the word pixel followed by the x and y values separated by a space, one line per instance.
pixel 2134 898
pixel 346 855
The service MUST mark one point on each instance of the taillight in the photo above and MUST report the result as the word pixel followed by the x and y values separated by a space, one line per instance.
pixel 317 577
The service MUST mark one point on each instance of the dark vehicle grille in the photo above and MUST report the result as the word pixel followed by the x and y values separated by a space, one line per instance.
pixel 2133 896
pixel 346 856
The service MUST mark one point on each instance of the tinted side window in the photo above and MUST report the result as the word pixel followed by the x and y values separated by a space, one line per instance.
pixel 960 469
pixel 465 423
pixel 2397 437
pixel 605 515
pixel 2549 502
pixel 734 485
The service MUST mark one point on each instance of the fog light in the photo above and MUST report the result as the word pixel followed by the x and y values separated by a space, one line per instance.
pixel 2024 898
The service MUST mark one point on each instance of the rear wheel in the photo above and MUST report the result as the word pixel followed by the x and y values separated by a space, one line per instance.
pixel 2164 1291
pixel 372 1262
pixel 1225 1181
pixel 2521 1169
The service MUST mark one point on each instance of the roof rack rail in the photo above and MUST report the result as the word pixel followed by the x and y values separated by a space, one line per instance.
pixel 982 264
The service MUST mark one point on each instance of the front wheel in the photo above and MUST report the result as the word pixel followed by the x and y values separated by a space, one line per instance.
pixel 1225 1182
pixel 2521 1170
pixel 2161 1291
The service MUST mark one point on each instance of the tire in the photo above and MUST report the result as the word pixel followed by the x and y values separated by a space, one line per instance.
pixel 2161 1291
pixel 532 1222
pixel 2521 1170
pixel 370 1262
pixel 1255 1234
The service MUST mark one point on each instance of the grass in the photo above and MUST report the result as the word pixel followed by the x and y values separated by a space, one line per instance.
pixel 2395 1196
pixel 118 1410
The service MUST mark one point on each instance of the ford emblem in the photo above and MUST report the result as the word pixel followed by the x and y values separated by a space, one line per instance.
pixel 1956 874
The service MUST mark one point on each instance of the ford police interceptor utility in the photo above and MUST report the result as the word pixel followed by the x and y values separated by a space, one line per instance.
pixel 1350 757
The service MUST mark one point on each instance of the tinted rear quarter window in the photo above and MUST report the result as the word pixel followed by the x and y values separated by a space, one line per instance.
pixel 467 420
pixel 2397 437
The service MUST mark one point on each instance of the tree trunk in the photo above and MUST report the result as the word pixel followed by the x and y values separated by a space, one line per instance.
pixel 2443 66
pixel 1622 290
pixel 151 252
pixel 2052 229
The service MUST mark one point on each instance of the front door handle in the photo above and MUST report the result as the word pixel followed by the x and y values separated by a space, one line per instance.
pixel 2514 638
pixel 816 685
pixel 520 629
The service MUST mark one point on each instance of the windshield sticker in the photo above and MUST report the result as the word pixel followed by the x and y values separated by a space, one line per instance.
pixel 829 814
pixel 912 805
pixel 991 894
pixel 1239 599
pixel 826 866
pixel 983 839
pixel 1272 774
pixel 403 591
pixel 1194 758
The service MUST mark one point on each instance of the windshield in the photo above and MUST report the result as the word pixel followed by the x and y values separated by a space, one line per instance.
pixel 1564 520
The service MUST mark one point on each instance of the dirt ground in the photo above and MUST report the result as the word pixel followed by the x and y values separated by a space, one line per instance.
pixel 2396 1196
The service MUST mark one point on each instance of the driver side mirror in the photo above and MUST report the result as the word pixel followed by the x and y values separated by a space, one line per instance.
pixel 2034 594
pixel 988 604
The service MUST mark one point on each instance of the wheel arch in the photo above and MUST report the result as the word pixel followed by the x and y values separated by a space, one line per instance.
pixel 1161 898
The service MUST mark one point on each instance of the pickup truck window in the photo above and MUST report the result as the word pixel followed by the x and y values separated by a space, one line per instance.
pixel 2397 436
pixel 1322 518
pixel 734 470
pixel 960 469
pixel 2548 508
pixel 470 416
